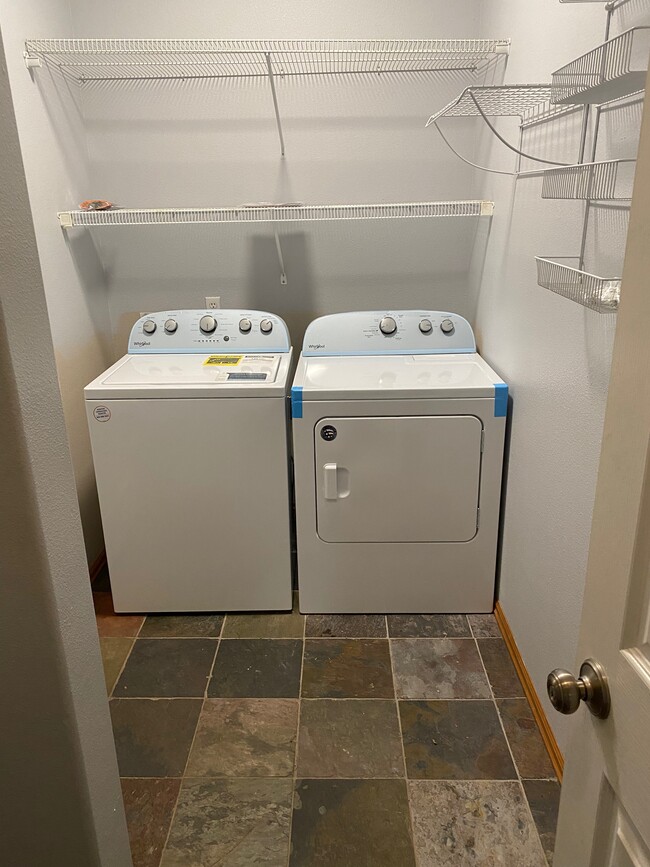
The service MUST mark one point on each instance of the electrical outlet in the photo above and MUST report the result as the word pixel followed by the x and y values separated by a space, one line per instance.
pixel 212 302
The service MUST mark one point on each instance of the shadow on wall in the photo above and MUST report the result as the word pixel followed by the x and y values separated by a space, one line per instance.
pixel 295 302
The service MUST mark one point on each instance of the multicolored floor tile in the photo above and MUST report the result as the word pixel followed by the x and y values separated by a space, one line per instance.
pixel 484 626
pixel 182 626
pixel 346 626
pixel 289 624
pixel 233 823
pixel 467 824
pixel 114 654
pixel 167 668
pixel 347 668
pixel 500 670
pixel 525 740
pixel 438 668
pixel 257 668
pixel 454 740
pixel 149 806
pixel 245 737
pixel 428 626
pixel 349 738
pixel 340 823
pixel 153 736
pixel 544 800
pixel 111 624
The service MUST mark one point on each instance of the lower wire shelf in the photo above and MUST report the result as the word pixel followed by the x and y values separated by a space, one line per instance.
pixel 601 294
pixel 266 213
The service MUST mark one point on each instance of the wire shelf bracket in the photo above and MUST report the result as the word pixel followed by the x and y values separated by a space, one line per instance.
pixel 613 70
pixel 609 180
pixel 601 294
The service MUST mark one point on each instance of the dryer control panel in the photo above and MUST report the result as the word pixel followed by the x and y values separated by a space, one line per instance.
pixel 389 332
pixel 206 331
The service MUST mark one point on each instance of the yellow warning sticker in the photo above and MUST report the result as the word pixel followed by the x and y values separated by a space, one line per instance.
pixel 223 360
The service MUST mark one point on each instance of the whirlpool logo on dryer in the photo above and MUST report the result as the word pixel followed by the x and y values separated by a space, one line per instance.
pixel 317 346
pixel 142 343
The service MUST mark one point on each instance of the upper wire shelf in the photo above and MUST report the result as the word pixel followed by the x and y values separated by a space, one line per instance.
pixel 507 100
pixel 86 60
pixel 615 69
pixel 601 294
pixel 604 181
pixel 274 213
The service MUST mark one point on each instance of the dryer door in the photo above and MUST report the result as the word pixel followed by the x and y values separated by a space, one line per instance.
pixel 398 479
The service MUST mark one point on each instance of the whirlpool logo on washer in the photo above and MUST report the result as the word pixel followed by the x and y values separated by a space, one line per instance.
pixel 317 346
pixel 142 343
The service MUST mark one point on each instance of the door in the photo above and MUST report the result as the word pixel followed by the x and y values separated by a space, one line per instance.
pixel 398 478
pixel 605 808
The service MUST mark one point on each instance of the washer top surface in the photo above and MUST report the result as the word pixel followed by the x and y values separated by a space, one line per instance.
pixel 199 353
pixel 414 353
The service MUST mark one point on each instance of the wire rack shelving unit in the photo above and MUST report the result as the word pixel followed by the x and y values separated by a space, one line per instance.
pixel 614 69
pixel 274 213
pixel 608 180
pixel 601 294
pixel 87 60
pixel 507 100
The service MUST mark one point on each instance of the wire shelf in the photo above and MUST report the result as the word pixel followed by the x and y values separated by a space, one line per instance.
pixel 273 213
pixel 123 59
pixel 509 100
pixel 613 70
pixel 604 181
pixel 601 294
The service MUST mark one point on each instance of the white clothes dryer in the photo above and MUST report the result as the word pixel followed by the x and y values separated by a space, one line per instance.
pixel 189 435
pixel 398 430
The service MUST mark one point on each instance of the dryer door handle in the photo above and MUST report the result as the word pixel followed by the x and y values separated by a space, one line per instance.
pixel 330 482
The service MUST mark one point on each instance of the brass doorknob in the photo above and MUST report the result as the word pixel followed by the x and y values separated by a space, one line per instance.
pixel 566 692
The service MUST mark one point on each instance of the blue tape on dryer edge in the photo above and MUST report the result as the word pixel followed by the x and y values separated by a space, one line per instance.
pixel 500 399
pixel 296 401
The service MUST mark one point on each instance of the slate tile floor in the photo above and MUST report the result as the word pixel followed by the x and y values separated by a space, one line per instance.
pixel 344 741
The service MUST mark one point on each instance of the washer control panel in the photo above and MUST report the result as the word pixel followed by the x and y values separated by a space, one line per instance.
pixel 389 332
pixel 206 331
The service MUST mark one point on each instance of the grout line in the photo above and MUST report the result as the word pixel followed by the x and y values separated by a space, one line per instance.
pixel 516 767
pixel 296 697
pixel 111 694
pixel 401 740
pixel 294 776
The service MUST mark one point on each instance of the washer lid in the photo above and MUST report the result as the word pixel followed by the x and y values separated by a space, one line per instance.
pixel 348 378
pixel 215 375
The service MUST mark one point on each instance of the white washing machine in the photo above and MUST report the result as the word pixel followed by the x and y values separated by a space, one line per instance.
pixel 398 431
pixel 189 435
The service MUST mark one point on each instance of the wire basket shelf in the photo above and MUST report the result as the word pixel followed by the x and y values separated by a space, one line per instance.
pixel 273 213
pixel 615 69
pixel 601 294
pixel 605 181
pixel 510 100
pixel 123 59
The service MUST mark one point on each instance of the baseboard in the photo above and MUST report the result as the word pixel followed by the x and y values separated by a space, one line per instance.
pixel 557 759
pixel 97 565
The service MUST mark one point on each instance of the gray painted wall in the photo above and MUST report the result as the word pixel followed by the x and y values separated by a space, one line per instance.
pixel 60 793
pixel 555 354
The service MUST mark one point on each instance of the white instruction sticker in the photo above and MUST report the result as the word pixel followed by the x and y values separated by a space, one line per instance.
pixel 102 413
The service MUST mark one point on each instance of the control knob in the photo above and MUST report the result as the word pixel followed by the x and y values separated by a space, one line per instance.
pixel 149 326
pixel 208 324
pixel 447 326
pixel 426 327
pixel 245 326
pixel 266 326
pixel 170 326
pixel 388 325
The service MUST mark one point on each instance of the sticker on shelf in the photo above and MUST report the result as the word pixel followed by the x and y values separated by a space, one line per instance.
pixel 223 360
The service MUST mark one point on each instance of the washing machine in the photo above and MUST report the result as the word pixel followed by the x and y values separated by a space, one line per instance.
pixel 398 431
pixel 189 435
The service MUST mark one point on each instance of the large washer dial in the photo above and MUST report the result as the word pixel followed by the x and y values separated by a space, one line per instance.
pixel 388 325
pixel 245 325
pixel 425 326
pixel 447 326
pixel 170 326
pixel 266 326
pixel 208 324
pixel 149 326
